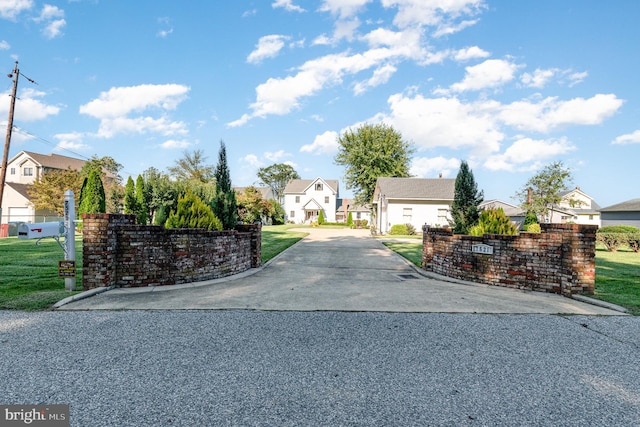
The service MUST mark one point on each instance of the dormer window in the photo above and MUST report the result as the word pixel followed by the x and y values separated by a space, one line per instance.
pixel 318 187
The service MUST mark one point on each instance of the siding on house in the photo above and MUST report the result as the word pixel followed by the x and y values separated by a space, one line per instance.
pixel 415 201
pixel 305 198
pixel 625 213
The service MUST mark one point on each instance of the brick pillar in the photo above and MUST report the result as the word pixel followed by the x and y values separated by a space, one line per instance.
pixel 578 257
pixel 256 242
pixel 99 248
pixel 427 248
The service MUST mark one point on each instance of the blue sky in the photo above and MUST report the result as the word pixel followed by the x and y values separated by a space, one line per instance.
pixel 509 86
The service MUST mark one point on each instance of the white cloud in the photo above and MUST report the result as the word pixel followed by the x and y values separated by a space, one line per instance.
pixel 431 167
pixel 4 45
pixel 113 107
pixel 345 29
pixel 380 76
pixel 252 161
pixel 172 144
pixel 10 9
pixel 539 78
pixel 432 13
pixel 54 29
pixel 629 138
pixel 444 122
pixel 551 113
pixel 120 101
pixel 343 8
pixel 267 47
pixel 528 154
pixel 29 106
pixel 49 13
pixel 448 28
pixel 326 143
pixel 468 53
pixel 70 141
pixel 287 5
pixel 276 156
pixel 489 74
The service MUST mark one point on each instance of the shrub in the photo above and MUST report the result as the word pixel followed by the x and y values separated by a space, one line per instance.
pixel 349 219
pixel 321 217
pixel 398 229
pixel 192 212
pixel 531 218
pixel 364 222
pixel 493 221
pixel 533 228
pixel 614 236
pixel 411 230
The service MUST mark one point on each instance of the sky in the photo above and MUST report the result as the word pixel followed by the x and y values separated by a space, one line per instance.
pixel 507 86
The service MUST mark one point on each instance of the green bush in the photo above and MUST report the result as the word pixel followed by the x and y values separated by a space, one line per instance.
pixel 192 212
pixel 321 218
pixel 349 219
pixel 402 230
pixel 493 221
pixel 615 236
pixel 398 229
pixel 533 228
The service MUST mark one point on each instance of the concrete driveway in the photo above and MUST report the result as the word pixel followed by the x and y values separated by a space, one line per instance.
pixel 338 270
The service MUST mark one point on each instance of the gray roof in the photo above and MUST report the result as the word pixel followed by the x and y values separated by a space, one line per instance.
pixel 56 161
pixel 21 189
pixel 299 185
pixel 415 188
pixel 632 205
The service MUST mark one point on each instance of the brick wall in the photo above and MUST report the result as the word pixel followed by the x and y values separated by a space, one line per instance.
pixel 116 252
pixel 561 259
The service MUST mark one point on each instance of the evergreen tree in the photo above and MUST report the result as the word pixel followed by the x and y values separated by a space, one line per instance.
pixel 349 219
pixel 130 205
pixel 192 212
pixel 467 198
pixel 321 217
pixel 142 202
pixel 92 198
pixel 493 221
pixel 224 203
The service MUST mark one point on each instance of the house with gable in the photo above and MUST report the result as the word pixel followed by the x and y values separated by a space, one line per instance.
pixel 24 169
pixel 305 198
pixel 415 201
pixel 577 207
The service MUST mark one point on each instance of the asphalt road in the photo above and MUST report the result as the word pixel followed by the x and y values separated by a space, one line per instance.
pixel 270 368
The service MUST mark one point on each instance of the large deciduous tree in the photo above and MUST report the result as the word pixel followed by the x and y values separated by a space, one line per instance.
pixel 370 152
pixel 276 177
pixel 192 167
pixel 542 191
pixel 467 198
pixel 48 192
pixel 224 203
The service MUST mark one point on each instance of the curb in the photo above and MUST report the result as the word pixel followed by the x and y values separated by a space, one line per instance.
pixel 82 295
pixel 599 303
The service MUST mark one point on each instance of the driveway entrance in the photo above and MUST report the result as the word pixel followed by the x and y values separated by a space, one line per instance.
pixel 338 270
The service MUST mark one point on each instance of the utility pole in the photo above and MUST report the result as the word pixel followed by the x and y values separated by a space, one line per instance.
pixel 7 141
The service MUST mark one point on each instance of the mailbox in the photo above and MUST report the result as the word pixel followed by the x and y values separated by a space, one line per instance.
pixel 40 229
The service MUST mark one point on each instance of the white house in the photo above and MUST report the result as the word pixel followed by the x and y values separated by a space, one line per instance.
pixel 305 198
pixel 358 212
pixel 416 201
pixel 576 206
pixel 24 169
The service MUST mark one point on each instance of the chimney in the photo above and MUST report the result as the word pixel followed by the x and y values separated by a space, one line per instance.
pixel 440 176
pixel 529 196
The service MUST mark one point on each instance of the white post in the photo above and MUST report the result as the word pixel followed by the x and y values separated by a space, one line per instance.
pixel 69 236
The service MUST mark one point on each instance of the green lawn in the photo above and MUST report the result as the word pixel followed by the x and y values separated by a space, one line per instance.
pixel 617 274
pixel 29 273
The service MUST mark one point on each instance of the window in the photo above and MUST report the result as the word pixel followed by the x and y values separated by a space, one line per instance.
pixel 358 215
pixel 406 215
pixel 297 199
pixel 27 171
pixel 326 199
pixel 318 187
pixel 292 214
pixel 590 217
pixel 13 171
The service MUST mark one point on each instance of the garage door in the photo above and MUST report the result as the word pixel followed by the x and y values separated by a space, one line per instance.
pixel 20 215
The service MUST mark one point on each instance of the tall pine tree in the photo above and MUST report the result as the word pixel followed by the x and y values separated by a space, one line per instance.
pixel 224 203
pixel 467 198
pixel 130 205
pixel 142 203
pixel 92 198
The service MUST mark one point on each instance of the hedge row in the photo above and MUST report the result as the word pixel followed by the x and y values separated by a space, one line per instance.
pixel 615 236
